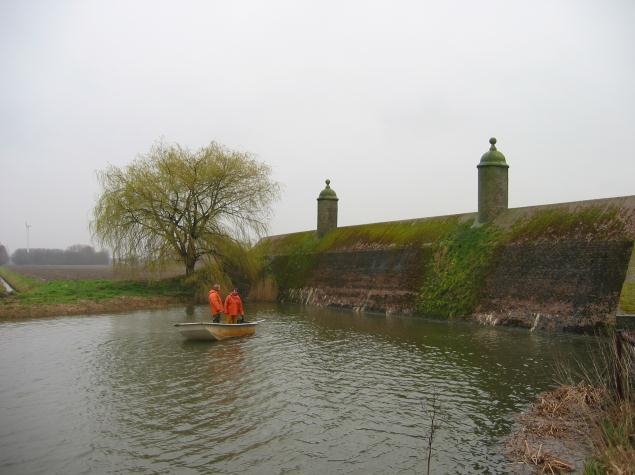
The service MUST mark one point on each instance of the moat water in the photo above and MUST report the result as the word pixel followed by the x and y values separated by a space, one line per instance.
pixel 314 391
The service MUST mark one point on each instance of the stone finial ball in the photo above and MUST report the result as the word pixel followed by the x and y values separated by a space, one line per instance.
pixel 492 140
pixel 328 182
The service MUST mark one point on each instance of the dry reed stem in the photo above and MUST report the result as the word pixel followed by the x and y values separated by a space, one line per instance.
pixel 546 461
pixel 564 414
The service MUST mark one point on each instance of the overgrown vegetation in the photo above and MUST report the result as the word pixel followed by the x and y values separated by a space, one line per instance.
pixel 453 279
pixel 457 270
pixel 556 224
pixel 613 430
pixel 591 416
pixel 627 300
pixel 291 270
pixel 457 257
pixel 397 234
pixel 296 253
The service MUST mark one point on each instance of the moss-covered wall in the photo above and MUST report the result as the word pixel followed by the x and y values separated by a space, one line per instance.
pixel 562 261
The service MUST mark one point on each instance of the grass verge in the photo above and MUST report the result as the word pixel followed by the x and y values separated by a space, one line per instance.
pixel 18 282
pixel 68 291
pixel 59 297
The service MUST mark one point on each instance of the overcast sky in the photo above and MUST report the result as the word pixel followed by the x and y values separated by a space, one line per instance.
pixel 394 101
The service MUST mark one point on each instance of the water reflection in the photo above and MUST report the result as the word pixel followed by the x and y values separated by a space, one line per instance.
pixel 314 391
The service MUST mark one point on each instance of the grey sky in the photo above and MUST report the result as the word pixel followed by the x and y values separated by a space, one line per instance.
pixel 394 101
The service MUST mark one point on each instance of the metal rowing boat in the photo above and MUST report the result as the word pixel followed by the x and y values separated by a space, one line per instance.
pixel 216 331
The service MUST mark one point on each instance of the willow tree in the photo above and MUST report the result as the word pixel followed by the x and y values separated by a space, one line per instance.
pixel 175 204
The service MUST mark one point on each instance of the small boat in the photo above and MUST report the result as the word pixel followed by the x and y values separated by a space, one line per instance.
pixel 216 331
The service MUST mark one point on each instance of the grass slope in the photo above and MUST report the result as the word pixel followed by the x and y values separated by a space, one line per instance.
pixel 32 292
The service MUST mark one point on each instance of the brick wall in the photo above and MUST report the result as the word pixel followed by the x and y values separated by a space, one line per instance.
pixel 371 280
pixel 558 280
pixel 564 272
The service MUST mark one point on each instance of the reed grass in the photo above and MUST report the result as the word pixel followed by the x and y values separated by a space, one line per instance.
pixel 611 426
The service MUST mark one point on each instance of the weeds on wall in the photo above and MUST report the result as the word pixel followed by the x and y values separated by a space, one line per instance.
pixel 457 271
pixel 453 279
pixel 293 268
pixel 457 257
pixel 296 254
pixel 556 224
pixel 395 234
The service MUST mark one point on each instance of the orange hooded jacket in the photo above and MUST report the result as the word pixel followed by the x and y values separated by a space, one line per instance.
pixel 215 302
pixel 233 305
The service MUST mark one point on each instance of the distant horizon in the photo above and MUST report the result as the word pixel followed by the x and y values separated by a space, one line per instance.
pixel 395 103
pixel 98 249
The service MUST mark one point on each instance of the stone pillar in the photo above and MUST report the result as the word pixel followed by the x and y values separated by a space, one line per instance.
pixel 492 184
pixel 327 210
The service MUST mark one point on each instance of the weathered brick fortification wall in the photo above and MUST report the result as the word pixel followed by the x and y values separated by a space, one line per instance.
pixel 555 285
pixel 546 267
pixel 385 280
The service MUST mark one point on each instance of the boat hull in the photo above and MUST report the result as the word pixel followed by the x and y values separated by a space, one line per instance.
pixel 216 331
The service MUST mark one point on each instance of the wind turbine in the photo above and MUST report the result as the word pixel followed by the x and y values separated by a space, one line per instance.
pixel 27 226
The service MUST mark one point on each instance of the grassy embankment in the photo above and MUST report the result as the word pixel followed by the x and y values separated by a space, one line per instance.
pixel 456 256
pixel 35 298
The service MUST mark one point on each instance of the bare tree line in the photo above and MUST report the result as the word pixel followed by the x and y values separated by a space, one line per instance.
pixel 4 255
pixel 77 254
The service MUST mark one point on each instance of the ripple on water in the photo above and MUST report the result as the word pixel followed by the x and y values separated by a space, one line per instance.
pixel 312 392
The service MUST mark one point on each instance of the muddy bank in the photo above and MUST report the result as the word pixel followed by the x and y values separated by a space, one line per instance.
pixel 16 310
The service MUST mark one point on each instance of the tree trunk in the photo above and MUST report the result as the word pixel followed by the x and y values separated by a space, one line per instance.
pixel 190 258
pixel 189 265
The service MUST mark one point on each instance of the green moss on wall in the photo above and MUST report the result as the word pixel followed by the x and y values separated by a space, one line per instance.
pixel 291 269
pixel 457 257
pixel 398 234
pixel 296 253
pixel 455 274
pixel 557 224
pixel 462 261
pixel 627 298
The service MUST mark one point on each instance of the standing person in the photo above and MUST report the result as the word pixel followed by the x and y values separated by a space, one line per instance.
pixel 234 306
pixel 215 303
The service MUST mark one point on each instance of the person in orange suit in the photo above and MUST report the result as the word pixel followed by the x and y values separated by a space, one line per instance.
pixel 215 303
pixel 234 307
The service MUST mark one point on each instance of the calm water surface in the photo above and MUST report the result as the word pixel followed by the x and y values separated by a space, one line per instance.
pixel 314 391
